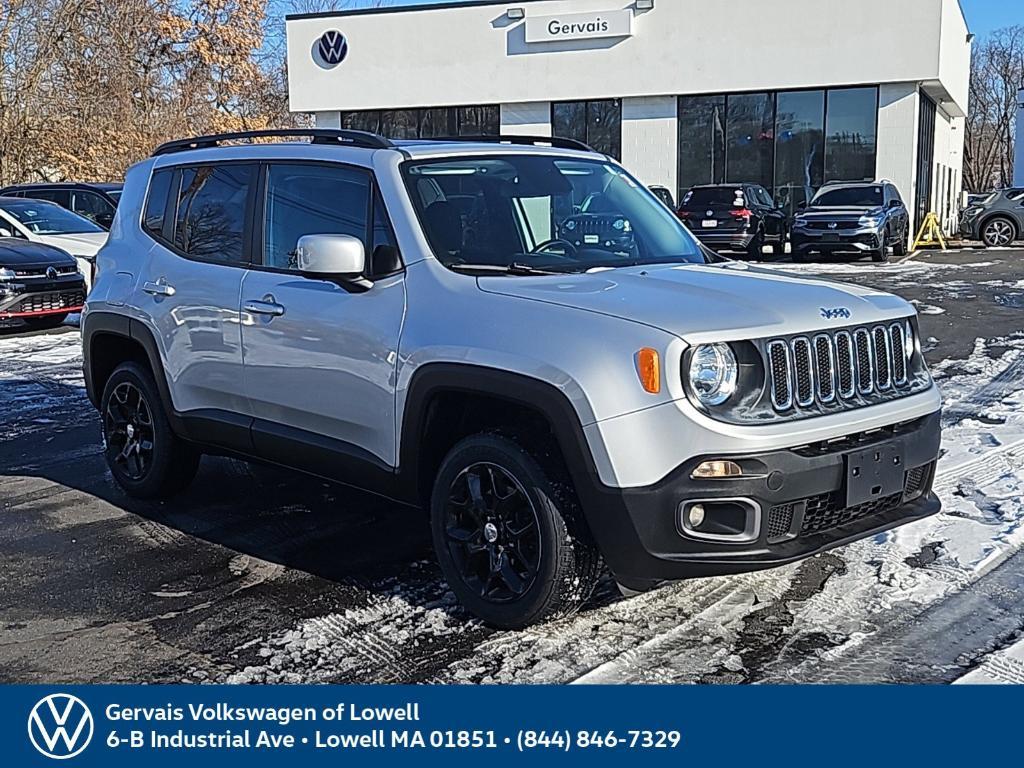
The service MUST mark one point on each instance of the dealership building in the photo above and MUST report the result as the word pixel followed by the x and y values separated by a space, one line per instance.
pixel 789 95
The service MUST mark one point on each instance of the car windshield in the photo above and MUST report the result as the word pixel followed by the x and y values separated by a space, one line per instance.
pixel 530 212
pixel 43 218
pixel 848 196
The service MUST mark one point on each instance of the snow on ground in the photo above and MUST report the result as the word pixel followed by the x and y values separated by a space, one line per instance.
pixel 1005 666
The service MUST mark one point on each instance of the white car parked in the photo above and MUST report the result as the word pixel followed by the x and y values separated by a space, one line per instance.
pixel 39 221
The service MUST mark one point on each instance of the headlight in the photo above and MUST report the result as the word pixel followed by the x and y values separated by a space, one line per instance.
pixel 870 221
pixel 713 373
pixel 7 274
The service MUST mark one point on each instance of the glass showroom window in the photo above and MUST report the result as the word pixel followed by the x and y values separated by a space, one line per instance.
pixel 597 123
pixel 851 122
pixel 701 141
pixel 431 123
pixel 799 147
pixel 750 134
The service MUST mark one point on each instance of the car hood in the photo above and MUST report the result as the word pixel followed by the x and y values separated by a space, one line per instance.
pixel 15 252
pixel 78 244
pixel 710 302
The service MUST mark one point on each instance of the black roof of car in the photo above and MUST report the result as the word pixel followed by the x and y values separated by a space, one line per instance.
pixel 100 185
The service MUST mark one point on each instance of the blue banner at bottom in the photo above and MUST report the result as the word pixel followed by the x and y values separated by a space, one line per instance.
pixel 435 725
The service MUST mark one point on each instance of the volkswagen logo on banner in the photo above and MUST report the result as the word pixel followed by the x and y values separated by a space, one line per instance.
pixel 330 49
pixel 60 726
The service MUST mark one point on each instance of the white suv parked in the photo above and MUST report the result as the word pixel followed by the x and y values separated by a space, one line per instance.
pixel 513 335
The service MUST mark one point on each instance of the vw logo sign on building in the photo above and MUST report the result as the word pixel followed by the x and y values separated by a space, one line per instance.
pixel 60 726
pixel 330 49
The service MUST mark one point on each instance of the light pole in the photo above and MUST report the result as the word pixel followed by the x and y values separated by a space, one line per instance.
pixel 1018 165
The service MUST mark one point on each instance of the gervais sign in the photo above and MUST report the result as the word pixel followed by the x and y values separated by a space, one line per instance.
pixel 579 26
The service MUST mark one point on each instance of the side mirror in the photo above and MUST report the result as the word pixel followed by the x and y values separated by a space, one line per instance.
pixel 333 257
pixel 801 205
pixel 894 204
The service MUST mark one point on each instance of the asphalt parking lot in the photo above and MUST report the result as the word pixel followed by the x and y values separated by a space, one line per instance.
pixel 258 575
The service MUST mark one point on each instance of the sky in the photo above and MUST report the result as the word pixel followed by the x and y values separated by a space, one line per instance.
pixel 983 16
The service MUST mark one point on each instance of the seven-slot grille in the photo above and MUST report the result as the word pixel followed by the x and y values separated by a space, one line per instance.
pixel 804 370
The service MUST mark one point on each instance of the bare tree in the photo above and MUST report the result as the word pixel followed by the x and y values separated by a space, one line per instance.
pixel 997 74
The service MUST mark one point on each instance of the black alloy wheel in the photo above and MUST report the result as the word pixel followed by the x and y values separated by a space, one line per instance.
pixel 509 532
pixel 128 422
pixel 493 533
pixel 146 458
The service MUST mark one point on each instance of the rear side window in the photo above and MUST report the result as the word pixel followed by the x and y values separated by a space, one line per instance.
pixel 312 200
pixel 61 197
pixel 211 212
pixel 156 202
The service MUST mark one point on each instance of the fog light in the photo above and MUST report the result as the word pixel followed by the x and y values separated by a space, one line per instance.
pixel 695 517
pixel 716 469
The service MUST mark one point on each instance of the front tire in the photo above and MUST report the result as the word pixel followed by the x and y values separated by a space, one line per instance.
pixel 509 534
pixel 145 457
pixel 998 232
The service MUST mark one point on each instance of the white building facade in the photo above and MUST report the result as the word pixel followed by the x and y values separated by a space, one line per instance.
pixel 789 95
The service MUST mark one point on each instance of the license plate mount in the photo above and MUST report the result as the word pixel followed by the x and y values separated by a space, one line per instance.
pixel 875 473
pixel 830 237
pixel 709 223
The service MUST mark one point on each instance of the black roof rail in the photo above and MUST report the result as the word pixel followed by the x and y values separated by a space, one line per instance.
pixel 316 135
pixel 554 141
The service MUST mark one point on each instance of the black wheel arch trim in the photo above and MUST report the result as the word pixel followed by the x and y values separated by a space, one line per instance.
pixel 433 379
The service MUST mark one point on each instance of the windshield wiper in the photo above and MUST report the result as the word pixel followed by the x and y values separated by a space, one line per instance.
pixel 515 268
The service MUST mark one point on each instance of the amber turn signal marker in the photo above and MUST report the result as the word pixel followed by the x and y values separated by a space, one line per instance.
pixel 709 470
pixel 648 368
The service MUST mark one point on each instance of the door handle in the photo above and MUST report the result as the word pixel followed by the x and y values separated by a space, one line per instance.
pixel 159 288
pixel 263 308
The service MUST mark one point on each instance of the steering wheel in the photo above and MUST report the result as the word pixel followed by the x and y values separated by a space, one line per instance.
pixel 545 248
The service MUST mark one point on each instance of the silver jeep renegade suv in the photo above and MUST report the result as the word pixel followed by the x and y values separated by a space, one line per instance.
pixel 513 335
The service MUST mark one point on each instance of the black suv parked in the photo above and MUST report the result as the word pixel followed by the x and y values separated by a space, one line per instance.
pixel 864 217
pixel 96 202
pixel 738 217
pixel 39 284
pixel 996 218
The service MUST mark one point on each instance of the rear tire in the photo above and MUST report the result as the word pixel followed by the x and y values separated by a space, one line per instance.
pixel 509 534
pixel 756 248
pixel 145 457
pixel 46 321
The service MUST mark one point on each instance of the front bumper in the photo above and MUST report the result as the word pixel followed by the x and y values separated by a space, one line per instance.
pixel 40 298
pixel 799 496
pixel 863 240
pixel 969 229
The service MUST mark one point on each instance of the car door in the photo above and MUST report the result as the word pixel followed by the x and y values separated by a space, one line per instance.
pixel 189 284
pixel 320 359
